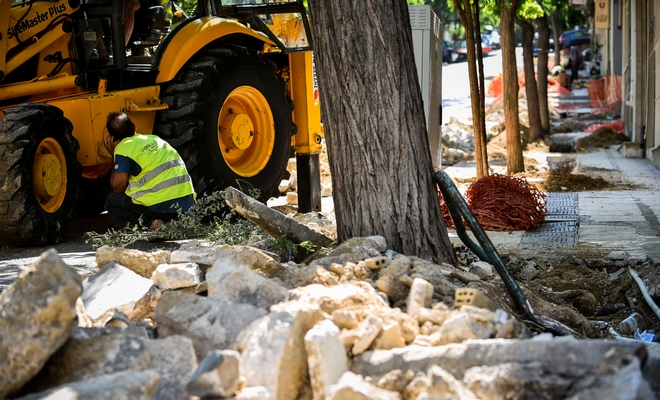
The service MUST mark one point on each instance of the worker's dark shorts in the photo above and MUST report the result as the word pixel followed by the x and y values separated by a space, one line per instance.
pixel 122 207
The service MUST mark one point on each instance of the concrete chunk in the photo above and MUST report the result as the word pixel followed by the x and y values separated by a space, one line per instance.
pixel 217 375
pixel 37 315
pixel 572 357
pixel 173 358
pixel 115 287
pixel 141 262
pixel 231 279
pixel 81 359
pixel 123 385
pixel 175 276
pixel 354 387
pixel 275 355
pixel 326 357
pixel 210 323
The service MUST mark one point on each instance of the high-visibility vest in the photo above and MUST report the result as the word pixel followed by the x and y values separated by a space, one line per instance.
pixel 163 177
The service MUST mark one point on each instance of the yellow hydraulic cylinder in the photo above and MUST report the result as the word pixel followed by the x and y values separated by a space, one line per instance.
pixel 36 87
pixel 305 96
pixel 308 140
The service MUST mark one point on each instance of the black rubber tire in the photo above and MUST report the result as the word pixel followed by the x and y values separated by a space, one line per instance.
pixel 190 124
pixel 23 219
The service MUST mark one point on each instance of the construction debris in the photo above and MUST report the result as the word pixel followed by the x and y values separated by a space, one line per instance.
pixel 362 322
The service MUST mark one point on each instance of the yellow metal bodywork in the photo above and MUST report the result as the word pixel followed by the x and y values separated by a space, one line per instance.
pixel 88 113
pixel 307 113
pixel 29 30
pixel 196 35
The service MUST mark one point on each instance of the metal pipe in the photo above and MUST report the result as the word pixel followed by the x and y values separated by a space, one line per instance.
pixel 31 88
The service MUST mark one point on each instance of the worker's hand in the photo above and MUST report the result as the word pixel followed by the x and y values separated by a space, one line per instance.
pixel 109 143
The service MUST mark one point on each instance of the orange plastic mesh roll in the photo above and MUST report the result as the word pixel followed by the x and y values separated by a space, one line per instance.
pixel 503 203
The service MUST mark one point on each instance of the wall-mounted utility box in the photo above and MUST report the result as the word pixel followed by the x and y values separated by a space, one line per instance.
pixel 427 43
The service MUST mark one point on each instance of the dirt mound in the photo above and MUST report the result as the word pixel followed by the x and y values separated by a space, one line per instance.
pixel 602 138
pixel 573 183
pixel 569 126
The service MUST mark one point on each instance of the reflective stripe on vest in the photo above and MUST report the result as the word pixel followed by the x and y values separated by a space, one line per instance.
pixel 163 177
pixel 154 172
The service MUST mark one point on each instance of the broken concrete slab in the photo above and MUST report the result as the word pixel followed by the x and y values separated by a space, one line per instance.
pixel 210 323
pixel 216 376
pixel 354 387
pixel 80 359
pixel 574 357
pixel 141 262
pixel 331 298
pixel 134 385
pixel 275 355
pixel 37 316
pixel 272 221
pixel 174 359
pixel 115 287
pixel 232 280
pixel 176 276
pixel 326 357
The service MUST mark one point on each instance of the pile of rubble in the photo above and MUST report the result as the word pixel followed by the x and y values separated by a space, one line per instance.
pixel 235 322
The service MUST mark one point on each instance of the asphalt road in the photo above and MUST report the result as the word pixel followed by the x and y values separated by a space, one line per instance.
pixel 73 249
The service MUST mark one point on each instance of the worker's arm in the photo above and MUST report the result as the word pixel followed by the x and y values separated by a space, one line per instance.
pixel 118 180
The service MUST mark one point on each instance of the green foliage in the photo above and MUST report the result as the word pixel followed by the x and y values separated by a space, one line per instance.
pixel 530 10
pixel 207 219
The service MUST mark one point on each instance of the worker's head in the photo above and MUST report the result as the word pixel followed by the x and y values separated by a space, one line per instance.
pixel 120 126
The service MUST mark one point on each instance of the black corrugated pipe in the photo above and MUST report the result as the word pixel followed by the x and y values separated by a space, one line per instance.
pixel 460 211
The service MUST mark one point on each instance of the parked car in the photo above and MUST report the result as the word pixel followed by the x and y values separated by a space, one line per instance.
pixel 449 54
pixel 575 37
pixel 461 49
pixel 492 38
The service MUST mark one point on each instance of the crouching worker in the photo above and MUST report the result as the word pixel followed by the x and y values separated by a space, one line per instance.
pixel 149 181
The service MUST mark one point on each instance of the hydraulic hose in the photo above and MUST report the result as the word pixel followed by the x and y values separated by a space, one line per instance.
pixel 460 211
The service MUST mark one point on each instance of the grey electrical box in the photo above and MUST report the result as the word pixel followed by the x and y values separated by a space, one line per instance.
pixel 427 43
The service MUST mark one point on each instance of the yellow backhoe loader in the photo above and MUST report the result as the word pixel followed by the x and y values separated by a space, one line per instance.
pixel 229 83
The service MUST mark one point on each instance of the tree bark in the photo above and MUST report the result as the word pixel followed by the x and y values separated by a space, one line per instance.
pixel 514 160
pixel 378 150
pixel 470 20
pixel 542 68
pixel 531 90
pixel 554 19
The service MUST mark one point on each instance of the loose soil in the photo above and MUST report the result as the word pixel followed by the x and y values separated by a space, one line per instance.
pixel 582 288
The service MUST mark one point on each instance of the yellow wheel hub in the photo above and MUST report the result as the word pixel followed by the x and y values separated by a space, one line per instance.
pixel 246 131
pixel 49 175
pixel 241 130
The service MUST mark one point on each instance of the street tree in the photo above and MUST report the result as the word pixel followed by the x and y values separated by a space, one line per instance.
pixel 468 12
pixel 514 159
pixel 528 12
pixel 373 117
pixel 543 51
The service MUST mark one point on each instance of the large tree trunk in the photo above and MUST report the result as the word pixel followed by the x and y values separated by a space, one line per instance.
pixel 542 68
pixel 554 19
pixel 470 20
pixel 531 90
pixel 514 159
pixel 380 161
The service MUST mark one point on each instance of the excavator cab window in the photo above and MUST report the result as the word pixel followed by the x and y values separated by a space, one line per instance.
pixel 284 21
